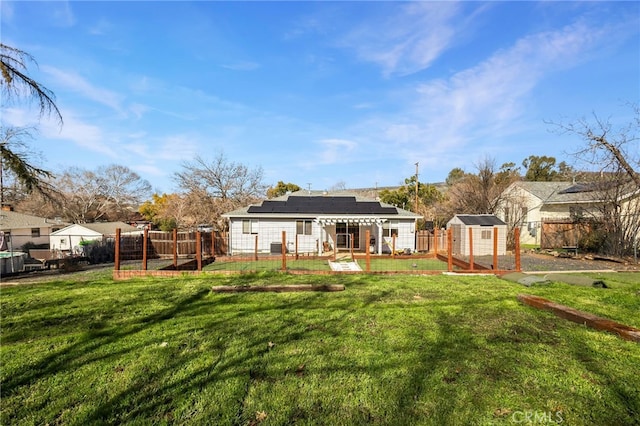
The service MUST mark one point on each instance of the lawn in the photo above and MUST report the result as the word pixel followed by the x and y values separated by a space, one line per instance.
pixel 401 350
pixel 378 264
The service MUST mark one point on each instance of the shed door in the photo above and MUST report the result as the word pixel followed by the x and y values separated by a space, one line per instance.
pixel 457 238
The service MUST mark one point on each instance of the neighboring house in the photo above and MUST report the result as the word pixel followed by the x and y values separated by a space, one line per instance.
pixel 69 239
pixel 318 222
pixel 482 233
pixel 19 228
pixel 551 213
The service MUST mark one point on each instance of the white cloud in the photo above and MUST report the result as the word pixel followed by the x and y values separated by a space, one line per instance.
pixel 479 105
pixel 241 66
pixel 169 148
pixel 62 14
pixel 82 134
pixel 409 41
pixel 79 84
pixel 335 150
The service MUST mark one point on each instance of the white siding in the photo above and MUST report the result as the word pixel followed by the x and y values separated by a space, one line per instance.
pixel 70 237
pixel 21 236
pixel 270 231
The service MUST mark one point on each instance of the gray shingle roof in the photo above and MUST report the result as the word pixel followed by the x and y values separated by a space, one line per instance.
pixel 305 203
pixel 14 220
pixel 480 219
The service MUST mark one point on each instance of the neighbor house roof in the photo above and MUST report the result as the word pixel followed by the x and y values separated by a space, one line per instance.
pixel 480 219
pixel 102 228
pixel 14 220
pixel 567 192
pixel 303 203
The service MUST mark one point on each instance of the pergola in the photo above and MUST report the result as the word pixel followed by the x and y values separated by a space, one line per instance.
pixel 353 220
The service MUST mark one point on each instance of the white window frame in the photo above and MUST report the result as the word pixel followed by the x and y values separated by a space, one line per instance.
pixel 390 228
pixel 250 226
pixel 304 227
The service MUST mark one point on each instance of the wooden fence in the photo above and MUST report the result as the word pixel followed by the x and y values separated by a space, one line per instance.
pixel 562 233
pixel 427 241
pixel 161 244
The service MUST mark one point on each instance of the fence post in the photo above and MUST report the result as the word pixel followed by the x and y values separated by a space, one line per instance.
pixel 335 246
pixel 284 250
pixel 175 249
pixel 145 248
pixel 296 246
pixel 117 253
pixel 255 249
pixel 351 245
pixel 368 250
pixel 516 236
pixel 435 240
pixel 450 249
pixel 199 250
pixel 393 246
pixel 471 248
pixel 495 248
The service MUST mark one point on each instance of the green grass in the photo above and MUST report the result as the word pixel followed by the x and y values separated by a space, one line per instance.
pixel 401 350
pixel 303 264
pixel 389 264
pixel 269 265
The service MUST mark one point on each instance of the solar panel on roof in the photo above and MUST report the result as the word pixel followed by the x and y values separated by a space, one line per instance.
pixel 322 205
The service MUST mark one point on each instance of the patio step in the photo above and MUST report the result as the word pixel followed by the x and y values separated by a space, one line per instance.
pixel 345 266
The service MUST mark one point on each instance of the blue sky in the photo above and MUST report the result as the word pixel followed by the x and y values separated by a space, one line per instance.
pixel 318 93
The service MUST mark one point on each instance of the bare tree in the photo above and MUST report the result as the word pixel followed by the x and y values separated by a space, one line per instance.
pixel 480 193
pixel 613 153
pixel 109 193
pixel 608 148
pixel 218 186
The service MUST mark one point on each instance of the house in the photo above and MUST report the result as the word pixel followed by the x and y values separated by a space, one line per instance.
pixel 550 214
pixel 71 238
pixel 19 229
pixel 478 231
pixel 316 222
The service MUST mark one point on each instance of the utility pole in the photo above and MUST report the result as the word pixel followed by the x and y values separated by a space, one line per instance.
pixel 416 207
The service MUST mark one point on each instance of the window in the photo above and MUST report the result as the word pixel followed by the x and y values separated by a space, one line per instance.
pixel 576 212
pixel 390 228
pixel 303 227
pixel 35 232
pixel 249 226
pixel 485 234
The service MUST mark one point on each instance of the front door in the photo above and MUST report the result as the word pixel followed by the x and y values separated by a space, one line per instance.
pixel 343 235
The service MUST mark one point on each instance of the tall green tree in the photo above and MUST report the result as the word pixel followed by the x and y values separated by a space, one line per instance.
pixel 281 189
pixel 405 196
pixel 16 84
pixel 15 164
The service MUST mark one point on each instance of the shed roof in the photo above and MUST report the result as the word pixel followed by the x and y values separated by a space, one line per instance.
pixel 480 219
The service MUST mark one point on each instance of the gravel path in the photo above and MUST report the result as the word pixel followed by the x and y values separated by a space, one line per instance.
pixel 532 262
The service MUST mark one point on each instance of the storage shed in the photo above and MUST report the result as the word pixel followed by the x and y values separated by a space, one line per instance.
pixel 482 233
pixel 70 239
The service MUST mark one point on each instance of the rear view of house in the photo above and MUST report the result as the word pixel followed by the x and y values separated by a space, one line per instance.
pixel 320 222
